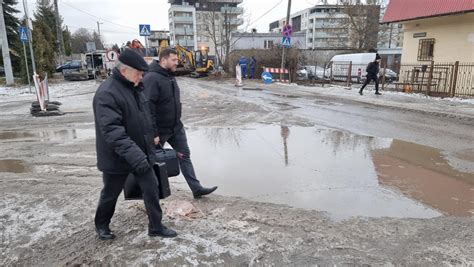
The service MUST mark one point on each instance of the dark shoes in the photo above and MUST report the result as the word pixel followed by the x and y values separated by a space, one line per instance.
pixel 360 93
pixel 104 233
pixel 204 191
pixel 163 232
pixel 377 93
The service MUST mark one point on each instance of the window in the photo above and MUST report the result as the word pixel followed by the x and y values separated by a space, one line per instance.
pixel 426 49
pixel 268 44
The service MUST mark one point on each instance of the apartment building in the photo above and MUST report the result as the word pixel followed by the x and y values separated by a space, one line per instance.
pixel 329 27
pixel 198 24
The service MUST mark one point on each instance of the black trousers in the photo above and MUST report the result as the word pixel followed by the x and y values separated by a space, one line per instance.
pixel 113 185
pixel 179 142
pixel 367 81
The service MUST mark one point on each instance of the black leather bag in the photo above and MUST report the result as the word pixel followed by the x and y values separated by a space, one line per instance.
pixel 162 176
pixel 168 156
pixel 132 191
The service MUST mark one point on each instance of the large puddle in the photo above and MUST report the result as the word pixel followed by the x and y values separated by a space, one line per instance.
pixel 65 135
pixel 14 166
pixel 343 174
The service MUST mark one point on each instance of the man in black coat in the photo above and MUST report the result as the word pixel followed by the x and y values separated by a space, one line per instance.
pixel 163 93
pixel 372 69
pixel 124 142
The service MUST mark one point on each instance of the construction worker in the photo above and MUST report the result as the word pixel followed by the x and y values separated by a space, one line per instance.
pixel 243 66
pixel 252 64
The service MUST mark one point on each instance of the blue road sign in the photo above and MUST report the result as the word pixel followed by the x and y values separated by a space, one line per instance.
pixel 144 29
pixel 23 34
pixel 286 41
pixel 267 77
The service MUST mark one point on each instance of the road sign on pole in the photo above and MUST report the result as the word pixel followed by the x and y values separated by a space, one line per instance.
pixel 23 34
pixel 286 42
pixel 287 30
pixel 144 29
pixel 111 55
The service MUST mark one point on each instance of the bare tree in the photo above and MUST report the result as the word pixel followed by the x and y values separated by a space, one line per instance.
pixel 218 25
pixel 361 22
pixel 211 28
pixel 79 39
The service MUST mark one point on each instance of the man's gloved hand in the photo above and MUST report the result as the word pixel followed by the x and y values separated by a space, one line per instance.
pixel 142 167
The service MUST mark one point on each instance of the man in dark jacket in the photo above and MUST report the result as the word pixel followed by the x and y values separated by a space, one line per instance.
pixel 124 142
pixel 372 74
pixel 163 93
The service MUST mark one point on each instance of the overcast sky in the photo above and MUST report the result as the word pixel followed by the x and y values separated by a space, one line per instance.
pixel 121 18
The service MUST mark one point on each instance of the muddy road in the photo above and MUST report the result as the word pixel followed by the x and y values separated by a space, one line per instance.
pixel 304 178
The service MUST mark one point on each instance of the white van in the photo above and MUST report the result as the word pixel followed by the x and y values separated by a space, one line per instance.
pixel 339 65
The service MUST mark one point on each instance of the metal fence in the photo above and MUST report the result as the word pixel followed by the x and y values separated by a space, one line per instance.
pixel 434 79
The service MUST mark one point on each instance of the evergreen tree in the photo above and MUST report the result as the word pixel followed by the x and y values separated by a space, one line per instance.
pixel 12 24
pixel 67 41
pixel 43 47
pixel 44 40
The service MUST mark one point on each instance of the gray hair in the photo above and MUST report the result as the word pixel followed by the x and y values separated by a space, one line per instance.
pixel 122 66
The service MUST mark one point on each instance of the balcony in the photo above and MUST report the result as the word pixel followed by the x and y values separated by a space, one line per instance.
pixel 232 10
pixel 183 19
pixel 236 22
pixel 184 42
pixel 183 31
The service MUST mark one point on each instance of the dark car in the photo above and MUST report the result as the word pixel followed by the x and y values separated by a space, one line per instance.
pixel 70 65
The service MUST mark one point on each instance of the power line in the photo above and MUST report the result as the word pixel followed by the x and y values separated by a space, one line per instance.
pixel 102 30
pixel 264 14
pixel 92 15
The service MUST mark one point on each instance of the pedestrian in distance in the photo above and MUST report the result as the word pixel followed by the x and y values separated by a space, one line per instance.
pixel 372 74
pixel 252 65
pixel 243 66
pixel 124 144
pixel 163 93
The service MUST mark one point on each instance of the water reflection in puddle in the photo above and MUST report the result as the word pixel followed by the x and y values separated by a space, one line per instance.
pixel 53 135
pixel 344 174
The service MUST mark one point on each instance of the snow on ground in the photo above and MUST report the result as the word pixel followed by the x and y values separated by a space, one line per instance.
pixel 449 106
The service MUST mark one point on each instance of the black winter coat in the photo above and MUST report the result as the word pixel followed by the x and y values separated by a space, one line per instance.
pixel 372 69
pixel 124 132
pixel 163 93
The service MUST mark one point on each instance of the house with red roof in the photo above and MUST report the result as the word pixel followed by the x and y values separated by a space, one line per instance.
pixel 438 30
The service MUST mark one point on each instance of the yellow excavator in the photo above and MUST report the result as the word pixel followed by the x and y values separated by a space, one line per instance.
pixel 197 64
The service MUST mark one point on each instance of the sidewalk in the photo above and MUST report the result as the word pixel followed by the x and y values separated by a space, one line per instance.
pixel 447 107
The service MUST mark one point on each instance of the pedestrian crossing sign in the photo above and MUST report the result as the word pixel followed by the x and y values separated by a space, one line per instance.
pixel 144 29
pixel 23 34
pixel 286 41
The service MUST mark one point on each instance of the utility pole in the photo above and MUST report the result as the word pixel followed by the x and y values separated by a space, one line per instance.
pixel 7 64
pixel 59 33
pixel 30 37
pixel 98 28
pixel 98 31
pixel 284 48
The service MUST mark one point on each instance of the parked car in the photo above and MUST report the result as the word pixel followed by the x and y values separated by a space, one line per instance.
pixel 390 75
pixel 310 72
pixel 2 70
pixel 70 65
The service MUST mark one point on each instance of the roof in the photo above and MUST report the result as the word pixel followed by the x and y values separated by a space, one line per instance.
pixel 404 10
